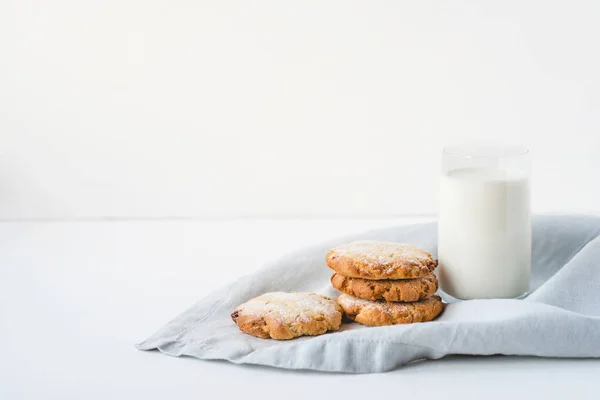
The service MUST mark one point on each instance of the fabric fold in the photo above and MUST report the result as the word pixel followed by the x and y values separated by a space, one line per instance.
pixel 560 318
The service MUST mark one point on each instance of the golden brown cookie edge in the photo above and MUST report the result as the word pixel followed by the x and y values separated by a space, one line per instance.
pixel 421 311
pixel 399 290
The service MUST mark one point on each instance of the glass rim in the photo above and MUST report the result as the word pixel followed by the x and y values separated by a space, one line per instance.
pixel 486 151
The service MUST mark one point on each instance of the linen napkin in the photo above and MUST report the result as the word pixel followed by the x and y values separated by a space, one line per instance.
pixel 560 317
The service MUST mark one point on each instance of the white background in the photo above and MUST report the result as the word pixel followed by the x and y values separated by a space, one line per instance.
pixel 185 108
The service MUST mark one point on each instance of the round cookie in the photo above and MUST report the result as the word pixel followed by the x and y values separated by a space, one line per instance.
pixel 281 315
pixel 389 290
pixel 380 260
pixel 379 313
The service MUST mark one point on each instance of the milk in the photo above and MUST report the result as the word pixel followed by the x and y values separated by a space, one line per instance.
pixel 484 233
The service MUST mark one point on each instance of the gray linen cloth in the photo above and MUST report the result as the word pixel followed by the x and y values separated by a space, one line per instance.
pixel 560 318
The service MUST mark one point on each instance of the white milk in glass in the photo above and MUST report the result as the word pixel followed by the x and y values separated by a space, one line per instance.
pixel 484 233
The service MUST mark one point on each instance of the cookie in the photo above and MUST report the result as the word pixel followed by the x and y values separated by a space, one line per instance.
pixel 380 260
pixel 281 315
pixel 388 290
pixel 378 313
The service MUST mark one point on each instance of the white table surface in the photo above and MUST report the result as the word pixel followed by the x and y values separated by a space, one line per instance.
pixel 76 296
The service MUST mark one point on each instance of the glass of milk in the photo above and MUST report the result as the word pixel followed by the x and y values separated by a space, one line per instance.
pixel 484 228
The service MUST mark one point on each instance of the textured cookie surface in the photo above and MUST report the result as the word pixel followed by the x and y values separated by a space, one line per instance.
pixel 378 313
pixel 281 315
pixel 380 260
pixel 388 290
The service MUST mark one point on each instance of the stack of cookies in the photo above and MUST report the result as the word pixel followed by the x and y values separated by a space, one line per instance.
pixel 385 283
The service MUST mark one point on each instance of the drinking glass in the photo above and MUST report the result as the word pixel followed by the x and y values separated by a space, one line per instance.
pixel 484 227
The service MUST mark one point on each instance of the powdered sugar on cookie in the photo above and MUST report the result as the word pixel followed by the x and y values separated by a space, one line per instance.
pixel 290 306
pixel 281 315
pixel 380 260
